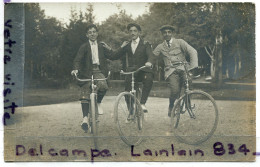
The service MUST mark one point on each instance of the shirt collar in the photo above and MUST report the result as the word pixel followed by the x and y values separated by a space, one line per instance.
pixel 92 43
pixel 137 40
pixel 170 42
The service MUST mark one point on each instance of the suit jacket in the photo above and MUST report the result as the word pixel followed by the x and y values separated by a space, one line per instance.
pixel 130 61
pixel 179 51
pixel 83 60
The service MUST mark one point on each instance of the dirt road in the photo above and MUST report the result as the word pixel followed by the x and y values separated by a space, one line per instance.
pixel 53 133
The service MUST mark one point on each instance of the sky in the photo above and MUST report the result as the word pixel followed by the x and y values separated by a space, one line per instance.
pixel 101 10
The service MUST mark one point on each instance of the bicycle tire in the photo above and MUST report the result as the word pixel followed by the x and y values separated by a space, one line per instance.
pixel 187 130
pixel 94 126
pixel 129 133
pixel 139 111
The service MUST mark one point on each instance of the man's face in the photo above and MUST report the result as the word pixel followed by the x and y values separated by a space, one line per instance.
pixel 92 34
pixel 134 33
pixel 167 34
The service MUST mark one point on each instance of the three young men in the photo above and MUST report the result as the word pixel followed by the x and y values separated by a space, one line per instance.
pixel 134 54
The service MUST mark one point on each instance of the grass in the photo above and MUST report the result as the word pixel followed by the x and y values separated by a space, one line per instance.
pixel 33 97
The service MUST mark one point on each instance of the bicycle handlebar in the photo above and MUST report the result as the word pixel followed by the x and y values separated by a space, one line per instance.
pixel 180 63
pixel 184 63
pixel 132 72
pixel 88 80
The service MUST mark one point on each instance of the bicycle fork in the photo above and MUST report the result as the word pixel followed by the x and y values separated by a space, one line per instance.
pixel 189 108
pixel 132 101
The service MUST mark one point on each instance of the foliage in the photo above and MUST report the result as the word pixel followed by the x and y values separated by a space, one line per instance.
pixel 51 47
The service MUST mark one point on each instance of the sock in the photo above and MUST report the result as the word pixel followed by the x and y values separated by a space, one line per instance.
pixel 85 108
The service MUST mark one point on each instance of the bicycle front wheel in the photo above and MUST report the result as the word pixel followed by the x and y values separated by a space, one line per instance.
pixel 127 112
pixel 194 117
pixel 139 111
pixel 94 115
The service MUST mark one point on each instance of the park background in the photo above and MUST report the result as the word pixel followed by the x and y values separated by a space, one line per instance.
pixel 59 124
pixel 222 33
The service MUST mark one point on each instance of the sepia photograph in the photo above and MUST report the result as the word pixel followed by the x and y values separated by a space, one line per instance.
pixel 129 82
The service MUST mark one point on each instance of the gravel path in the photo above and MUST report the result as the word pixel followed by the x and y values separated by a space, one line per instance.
pixel 50 129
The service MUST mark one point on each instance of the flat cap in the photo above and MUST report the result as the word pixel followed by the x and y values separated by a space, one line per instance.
pixel 167 27
pixel 134 25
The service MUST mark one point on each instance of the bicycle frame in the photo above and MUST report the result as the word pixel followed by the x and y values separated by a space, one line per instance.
pixel 93 86
pixel 93 113
pixel 183 104
pixel 187 102
pixel 133 91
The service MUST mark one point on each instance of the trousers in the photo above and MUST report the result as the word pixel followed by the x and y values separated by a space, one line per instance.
pixel 147 80
pixel 175 82
pixel 102 87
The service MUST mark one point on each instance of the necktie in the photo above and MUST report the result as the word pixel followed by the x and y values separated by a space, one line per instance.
pixel 168 43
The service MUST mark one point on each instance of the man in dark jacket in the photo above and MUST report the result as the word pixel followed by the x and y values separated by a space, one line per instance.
pixel 134 54
pixel 91 60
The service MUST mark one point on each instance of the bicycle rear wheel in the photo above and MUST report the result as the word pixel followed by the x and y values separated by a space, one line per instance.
pixel 139 111
pixel 94 115
pixel 196 117
pixel 127 112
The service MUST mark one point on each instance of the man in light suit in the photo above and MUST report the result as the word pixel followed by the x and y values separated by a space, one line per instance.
pixel 174 50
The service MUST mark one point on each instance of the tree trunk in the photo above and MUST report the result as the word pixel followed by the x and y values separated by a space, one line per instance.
pixel 219 41
pixel 219 60
pixel 237 62
pixel 213 69
pixel 212 61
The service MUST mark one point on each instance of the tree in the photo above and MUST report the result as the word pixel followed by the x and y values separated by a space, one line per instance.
pixel 113 31
pixel 216 28
pixel 73 37
pixel 33 16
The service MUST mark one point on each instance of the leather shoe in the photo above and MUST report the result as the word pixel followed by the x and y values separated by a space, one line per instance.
pixel 84 124
pixel 144 108
pixel 129 118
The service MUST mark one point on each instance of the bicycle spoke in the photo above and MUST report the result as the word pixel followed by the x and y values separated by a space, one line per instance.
pixel 199 123
pixel 125 111
pixel 127 124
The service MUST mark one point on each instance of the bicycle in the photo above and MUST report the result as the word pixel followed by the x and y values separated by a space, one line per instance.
pixel 93 114
pixel 128 114
pixel 194 117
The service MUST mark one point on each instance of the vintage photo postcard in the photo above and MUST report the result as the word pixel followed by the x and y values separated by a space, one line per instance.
pixel 131 82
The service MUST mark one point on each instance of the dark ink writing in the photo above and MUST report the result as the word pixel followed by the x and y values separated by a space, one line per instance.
pixel 7 58
pixel 219 149
pixel 97 153
pixel 164 152
pixel 38 151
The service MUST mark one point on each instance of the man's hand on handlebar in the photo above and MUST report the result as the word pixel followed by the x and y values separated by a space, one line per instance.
pixel 194 73
pixel 149 65
pixel 74 72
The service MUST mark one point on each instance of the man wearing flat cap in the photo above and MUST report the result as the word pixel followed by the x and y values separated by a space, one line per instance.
pixel 174 50
pixel 134 54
